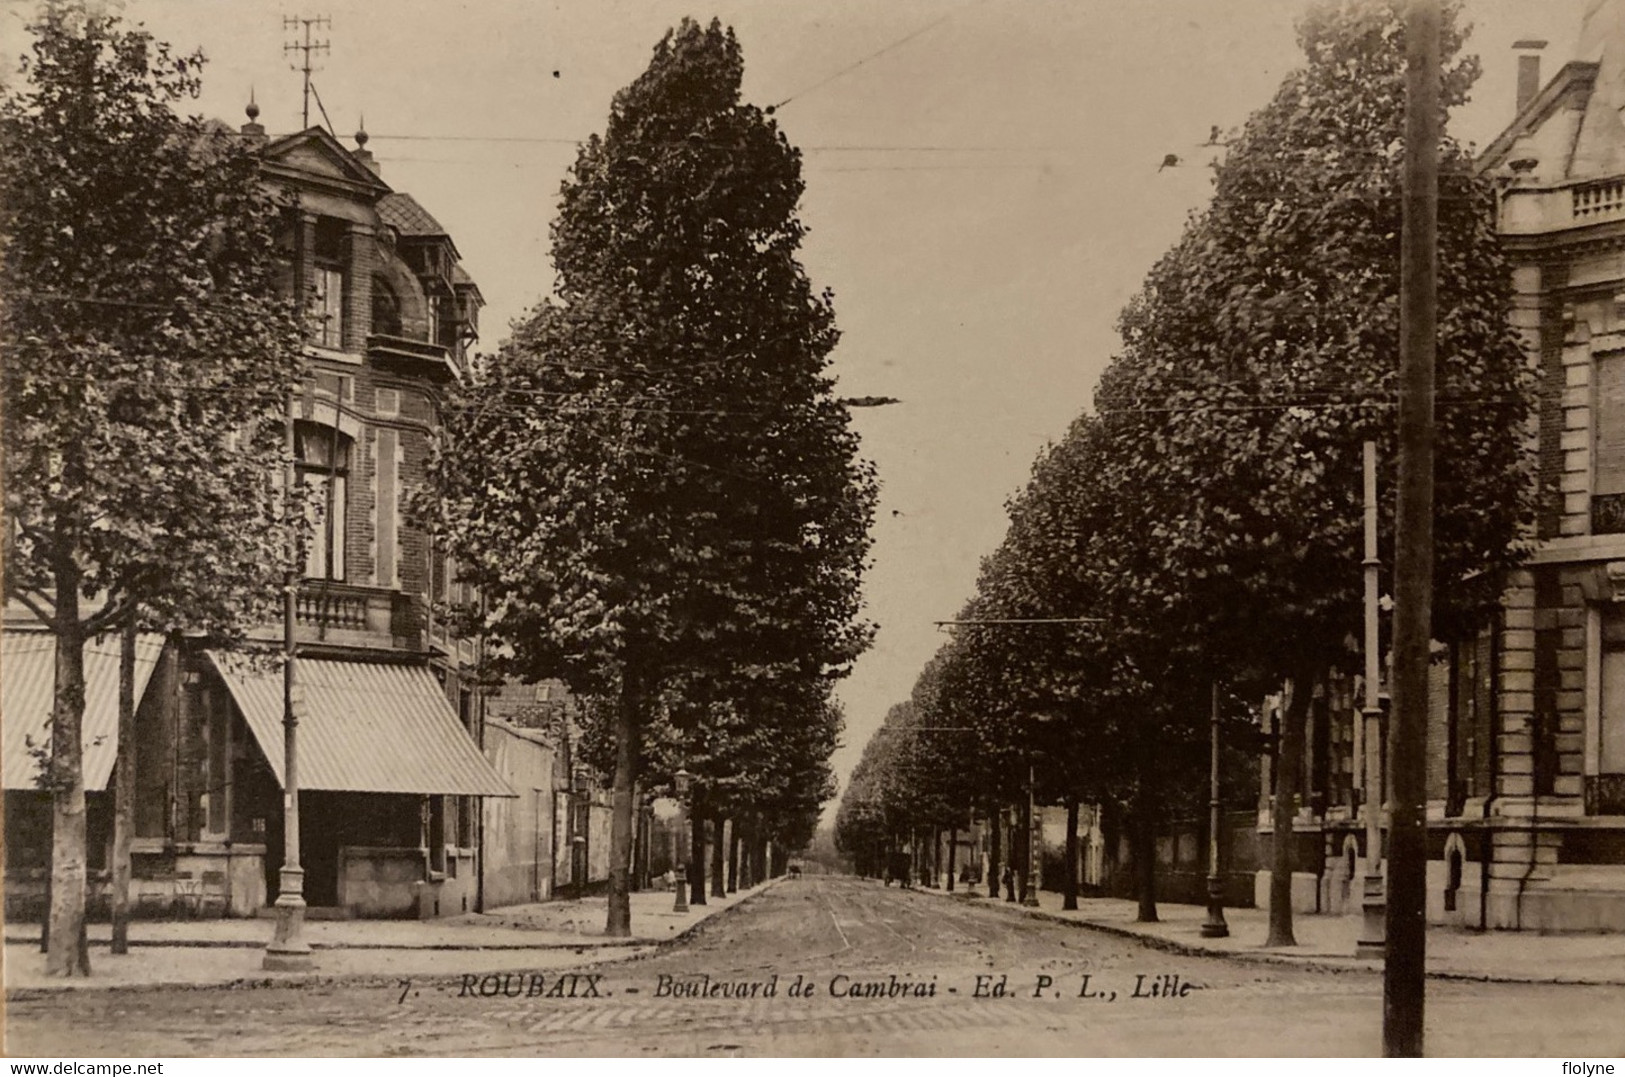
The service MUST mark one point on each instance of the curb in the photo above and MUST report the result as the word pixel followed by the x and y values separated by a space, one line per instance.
pixel 471 947
pixel 1318 964
pixel 636 948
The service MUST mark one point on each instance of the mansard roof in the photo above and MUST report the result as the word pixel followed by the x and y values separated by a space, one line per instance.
pixel 1575 126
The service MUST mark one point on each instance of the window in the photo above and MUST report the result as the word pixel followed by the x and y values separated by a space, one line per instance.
pixel 1610 736
pixel 327 308
pixel 437 833
pixel 1608 449
pixel 323 463
pixel 386 309
pixel 216 821
pixel 327 285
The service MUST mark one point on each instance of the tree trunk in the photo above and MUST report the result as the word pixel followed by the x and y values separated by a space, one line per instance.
pixel 993 853
pixel 953 855
pixel 718 851
pixel 1069 881
pixel 733 857
pixel 1144 839
pixel 1288 777
pixel 124 788
pixel 696 854
pixel 627 717
pixel 67 954
pixel 758 851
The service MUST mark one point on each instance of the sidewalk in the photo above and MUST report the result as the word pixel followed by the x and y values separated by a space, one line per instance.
pixel 1328 941
pixel 198 953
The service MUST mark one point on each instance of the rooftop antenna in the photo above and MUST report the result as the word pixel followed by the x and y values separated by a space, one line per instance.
pixel 307 48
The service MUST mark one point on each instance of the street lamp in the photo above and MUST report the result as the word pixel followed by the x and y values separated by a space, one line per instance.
pixel 288 951
pixel 1373 940
pixel 680 871
pixel 581 810
pixel 1214 926
pixel 1030 898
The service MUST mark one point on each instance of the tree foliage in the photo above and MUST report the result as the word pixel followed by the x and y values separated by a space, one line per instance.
pixel 148 361
pixel 1209 513
pixel 654 484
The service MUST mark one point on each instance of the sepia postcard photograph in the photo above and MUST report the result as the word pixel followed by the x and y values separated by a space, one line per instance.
pixel 985 528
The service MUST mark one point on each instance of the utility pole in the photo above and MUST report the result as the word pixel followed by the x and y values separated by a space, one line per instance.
pixel 306 49
pixel 1403 985
pixel 1373 900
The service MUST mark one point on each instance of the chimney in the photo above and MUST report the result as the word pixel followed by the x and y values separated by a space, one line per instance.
pixel 1528 50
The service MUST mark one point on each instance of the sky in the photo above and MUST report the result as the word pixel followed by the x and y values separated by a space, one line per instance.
pixel 983 194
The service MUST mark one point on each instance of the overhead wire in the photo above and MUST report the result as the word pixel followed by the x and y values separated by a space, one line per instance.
pixel 851 67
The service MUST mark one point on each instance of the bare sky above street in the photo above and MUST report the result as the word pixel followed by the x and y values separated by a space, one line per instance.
pixel 982 188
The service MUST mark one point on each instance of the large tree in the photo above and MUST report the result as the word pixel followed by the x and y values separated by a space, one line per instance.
pixel 148 360
pixel 655 485
pixel 1262 352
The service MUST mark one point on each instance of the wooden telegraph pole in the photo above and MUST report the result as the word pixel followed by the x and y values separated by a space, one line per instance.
pixel 1403 971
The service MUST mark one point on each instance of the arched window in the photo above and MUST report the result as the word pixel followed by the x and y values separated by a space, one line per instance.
pixel 322 459
pixel 386 309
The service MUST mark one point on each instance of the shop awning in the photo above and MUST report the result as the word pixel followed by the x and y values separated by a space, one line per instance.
pixel 367 727
pixel 28 687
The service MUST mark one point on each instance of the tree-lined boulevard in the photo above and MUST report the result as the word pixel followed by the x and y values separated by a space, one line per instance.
pixel 857 938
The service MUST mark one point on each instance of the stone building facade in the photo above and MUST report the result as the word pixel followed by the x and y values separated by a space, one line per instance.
pixel 1538 738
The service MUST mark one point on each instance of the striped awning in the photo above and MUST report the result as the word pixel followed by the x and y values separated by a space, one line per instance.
pixel 28 687
pixel 367 727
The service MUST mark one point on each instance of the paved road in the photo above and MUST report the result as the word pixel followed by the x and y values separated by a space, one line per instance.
pixel 891 972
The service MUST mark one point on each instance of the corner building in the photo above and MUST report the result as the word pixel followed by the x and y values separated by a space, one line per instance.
pixel 391 771
pixel 1528 776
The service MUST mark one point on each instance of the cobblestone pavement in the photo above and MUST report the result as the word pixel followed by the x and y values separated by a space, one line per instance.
pixel 916 961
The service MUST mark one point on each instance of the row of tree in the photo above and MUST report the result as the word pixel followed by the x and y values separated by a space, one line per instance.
pixel 1206 516
pixel 653 485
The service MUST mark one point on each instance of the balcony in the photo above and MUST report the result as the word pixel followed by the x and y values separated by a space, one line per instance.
pixel 411 356
pixel 1602 200
pixel 1535 209
pixel 351 615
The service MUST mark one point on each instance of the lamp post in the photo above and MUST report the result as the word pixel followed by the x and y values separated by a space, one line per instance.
pixel 288 951
pixel 581 802
pixel 1030 898
pixel 1372 942
pixel 680 871
pixel 1010 854
pixel 1214 926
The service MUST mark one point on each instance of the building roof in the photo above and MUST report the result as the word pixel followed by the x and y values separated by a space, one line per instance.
pixel 27 688
pixel 367 727
pixel 1600 147
pixel 461 279
pixel 407 216
pixel 1574 128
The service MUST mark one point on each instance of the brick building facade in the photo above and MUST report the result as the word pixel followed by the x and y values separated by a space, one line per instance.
pixel 391 770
